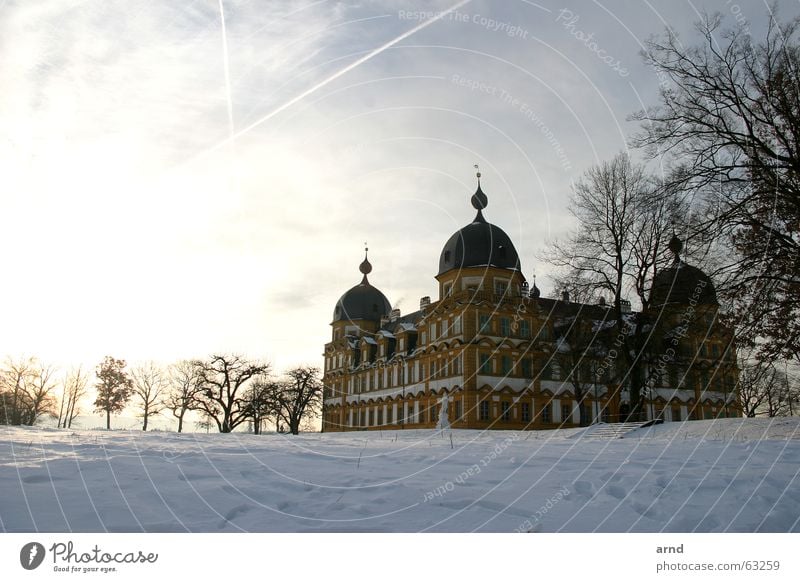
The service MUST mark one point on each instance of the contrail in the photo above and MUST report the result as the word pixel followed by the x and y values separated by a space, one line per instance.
pixel 227 69
pixel 337 74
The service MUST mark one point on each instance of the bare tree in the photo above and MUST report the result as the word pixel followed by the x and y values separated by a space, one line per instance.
pixel 221 383
pixel 42 399
pixel 729 121
pixel 114 388
pixel 259 400
pixel 74 389
pixel 149 387
pixel 577 351
pixel 26 391
pixel 183 386
pixel 765 388
pixel 298 397
pixel 624 216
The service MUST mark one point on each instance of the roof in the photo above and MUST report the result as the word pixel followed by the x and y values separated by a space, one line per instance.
pixel 362 302
pixel 682 284
pixel 479 244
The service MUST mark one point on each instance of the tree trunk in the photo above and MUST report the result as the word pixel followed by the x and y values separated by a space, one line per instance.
pixel 180 422
pixel 61 410
pixel 108 419
pixel 144 425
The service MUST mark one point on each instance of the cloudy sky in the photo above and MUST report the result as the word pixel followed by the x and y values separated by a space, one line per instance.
pixel 187 177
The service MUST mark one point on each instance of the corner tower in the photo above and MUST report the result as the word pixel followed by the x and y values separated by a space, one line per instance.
pixel 361 308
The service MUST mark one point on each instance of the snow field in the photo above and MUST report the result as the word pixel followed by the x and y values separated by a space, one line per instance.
pixel 732 475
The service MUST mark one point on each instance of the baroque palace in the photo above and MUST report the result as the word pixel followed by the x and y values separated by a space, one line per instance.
pixel 492 353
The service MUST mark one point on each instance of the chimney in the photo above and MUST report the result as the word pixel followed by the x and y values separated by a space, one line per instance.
pixel 625 305
pixel 384 320
pixel 395 314
pixel 425 302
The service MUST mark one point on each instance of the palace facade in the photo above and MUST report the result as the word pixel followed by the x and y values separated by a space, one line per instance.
pixel 491 352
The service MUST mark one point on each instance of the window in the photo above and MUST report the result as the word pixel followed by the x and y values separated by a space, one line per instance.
pixel 371 417
pixel 389 411
pixel 566 411
pixel 506 408
pixel 505 326
pixel 484 364
pixel 410 412
pixel 500 287
pixel 434 366
pixel 363 421
pixel 458 410
pixel 433 332
pixel 455 366
pixel 714 350
pixel 524 328
pixel 527 368
pixel 484 324
pixel 421 415
pixel 448 287
pixel 380 415
pixel 526 412
pixel 547 413
pixel 434 413
pixel 505 362
pixel 483 410
pixel 423 337
pixel 457 325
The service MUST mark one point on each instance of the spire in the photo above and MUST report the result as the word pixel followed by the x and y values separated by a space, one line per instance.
pixel 365 267
pixel 479 199
pixel 676 246
pixel 535 293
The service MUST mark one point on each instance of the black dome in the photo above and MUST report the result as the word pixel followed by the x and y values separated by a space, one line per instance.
pixel 682 284
pixel 479 244
pixel 362 302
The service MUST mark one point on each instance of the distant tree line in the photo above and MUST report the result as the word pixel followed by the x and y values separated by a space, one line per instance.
pixel 226 391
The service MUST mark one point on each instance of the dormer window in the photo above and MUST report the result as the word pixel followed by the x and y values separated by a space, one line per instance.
pixel 447 257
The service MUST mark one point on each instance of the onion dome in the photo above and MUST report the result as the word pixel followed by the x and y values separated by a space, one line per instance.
pixel 681 283
pixel 479 244
pixel 535 293
pixel 362 301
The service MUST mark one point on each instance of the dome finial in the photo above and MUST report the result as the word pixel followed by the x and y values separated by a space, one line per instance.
pixel 479 199
pixel 365 267
pixel 676 246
